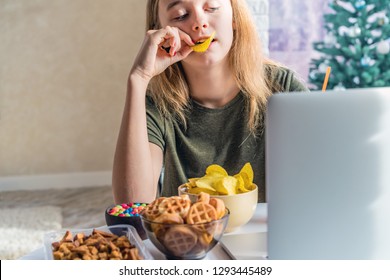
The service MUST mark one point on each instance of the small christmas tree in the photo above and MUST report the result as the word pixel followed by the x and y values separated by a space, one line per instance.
pixel 356 46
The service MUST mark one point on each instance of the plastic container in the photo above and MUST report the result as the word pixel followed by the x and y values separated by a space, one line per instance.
pixel 129 231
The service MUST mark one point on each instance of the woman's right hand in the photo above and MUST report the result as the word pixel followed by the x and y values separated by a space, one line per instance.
pixel 152 59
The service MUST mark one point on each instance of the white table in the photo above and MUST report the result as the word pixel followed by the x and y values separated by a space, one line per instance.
pixel 248 242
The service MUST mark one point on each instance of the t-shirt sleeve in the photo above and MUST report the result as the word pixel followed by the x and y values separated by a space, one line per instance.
pixel 293 83
pixel 285 80
pixel 155 124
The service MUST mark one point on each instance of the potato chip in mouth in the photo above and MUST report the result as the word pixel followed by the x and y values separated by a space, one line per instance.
pixel 203 46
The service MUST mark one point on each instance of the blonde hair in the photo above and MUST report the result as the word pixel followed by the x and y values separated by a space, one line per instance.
pixel 170 91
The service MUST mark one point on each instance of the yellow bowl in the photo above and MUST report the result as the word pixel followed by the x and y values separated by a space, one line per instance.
pixel 242 206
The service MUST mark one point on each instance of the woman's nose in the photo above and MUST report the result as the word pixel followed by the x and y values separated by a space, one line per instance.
pixel 200 23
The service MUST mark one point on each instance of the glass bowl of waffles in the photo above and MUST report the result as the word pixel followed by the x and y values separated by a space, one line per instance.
pixel 182 229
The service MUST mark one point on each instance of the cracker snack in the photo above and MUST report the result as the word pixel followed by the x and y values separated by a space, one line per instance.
pixel 183 227
pixel 99 245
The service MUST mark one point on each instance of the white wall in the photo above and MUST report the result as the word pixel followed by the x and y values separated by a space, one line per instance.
pixel 63 72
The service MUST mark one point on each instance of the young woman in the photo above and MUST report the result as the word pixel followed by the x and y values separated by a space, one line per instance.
pixel 186 110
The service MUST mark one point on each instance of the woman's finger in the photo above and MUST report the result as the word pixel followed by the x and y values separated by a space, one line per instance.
pixel 182 53
pixel 173 40
pixel 186 38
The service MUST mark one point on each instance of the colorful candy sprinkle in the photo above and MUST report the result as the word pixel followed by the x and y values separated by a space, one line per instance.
pixel 127 210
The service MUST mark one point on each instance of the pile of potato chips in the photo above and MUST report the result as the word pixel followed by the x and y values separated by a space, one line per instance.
pixel 218 182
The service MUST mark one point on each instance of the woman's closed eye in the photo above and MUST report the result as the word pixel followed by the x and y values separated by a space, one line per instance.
pixel 180 18
pixel 212 9
pixel 185 15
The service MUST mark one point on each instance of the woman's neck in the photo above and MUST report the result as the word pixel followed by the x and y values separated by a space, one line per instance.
pixel 211 87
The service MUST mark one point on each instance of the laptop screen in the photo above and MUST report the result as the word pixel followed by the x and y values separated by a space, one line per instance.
pixel 328 175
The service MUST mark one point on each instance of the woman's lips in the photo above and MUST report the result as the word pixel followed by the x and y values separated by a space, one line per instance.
pixel 203 43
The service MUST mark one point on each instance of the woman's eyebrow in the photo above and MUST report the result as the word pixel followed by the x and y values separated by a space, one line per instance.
pixel 172 4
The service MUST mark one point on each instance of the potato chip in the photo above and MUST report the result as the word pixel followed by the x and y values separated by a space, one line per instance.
pixel 202 47
pixel 206 182
pixel 217 181
pixel 226 185
pixel 199 190
pixel 247 175
pixel 192 182
pixel 240 184
pixel 247 168
pixel 216 169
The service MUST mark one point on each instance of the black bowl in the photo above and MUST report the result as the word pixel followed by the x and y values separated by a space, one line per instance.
pixel 134 221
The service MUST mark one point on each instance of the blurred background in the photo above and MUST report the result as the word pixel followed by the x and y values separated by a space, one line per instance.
pixel 63 74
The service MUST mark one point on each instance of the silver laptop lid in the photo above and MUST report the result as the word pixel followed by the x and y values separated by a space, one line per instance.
pixel 328 175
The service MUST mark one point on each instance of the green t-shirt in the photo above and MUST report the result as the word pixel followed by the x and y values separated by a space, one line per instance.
pixel 213 136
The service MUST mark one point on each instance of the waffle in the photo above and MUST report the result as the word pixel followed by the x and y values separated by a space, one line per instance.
pixel 169 218
pixel 180 240
pixel 219 206
pixel 151 211
pixel 204 240
pixel 175 204
pixel 201 212
pixel 203 197
pixel 185 196
pixel 166 218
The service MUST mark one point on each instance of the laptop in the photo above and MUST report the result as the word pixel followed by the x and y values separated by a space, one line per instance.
pixel 328 175
pixel 245 246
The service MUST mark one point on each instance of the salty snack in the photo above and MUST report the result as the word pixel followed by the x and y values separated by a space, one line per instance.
pixel 100 245
pixel 180 208
pixel 219 206
pixel 151 211
pixel 175 204
pixel 180 239
pixel 203 45
pixel 205 197
pixel 201 212
pixel 217 181
pixel 183 227
pixel 165 219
